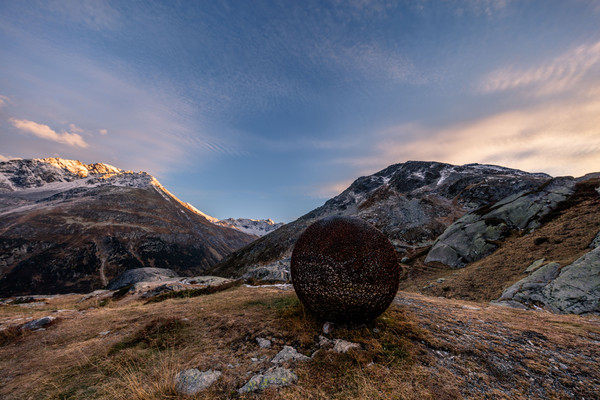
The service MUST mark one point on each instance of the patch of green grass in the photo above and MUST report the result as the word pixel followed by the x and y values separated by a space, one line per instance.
pixel 160 334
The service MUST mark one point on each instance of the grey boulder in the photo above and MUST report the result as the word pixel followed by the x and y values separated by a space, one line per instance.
pixel 37 323
pixel 574 288
pixel 192 381
pixel 137 275
pixel 274 377
pixel 288 353
pixel 473 236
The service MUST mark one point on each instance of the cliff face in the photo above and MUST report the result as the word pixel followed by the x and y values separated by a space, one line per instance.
pixel 70 227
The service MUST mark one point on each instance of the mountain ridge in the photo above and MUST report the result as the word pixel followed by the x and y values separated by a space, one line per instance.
pixel 69 226
pixel 412 203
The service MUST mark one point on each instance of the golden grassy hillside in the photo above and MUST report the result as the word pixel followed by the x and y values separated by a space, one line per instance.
pixel 421 348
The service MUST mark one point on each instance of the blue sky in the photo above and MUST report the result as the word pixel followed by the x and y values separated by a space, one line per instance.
pixel 265 109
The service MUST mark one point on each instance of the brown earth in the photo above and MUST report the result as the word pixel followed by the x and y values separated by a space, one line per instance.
pixel 420 348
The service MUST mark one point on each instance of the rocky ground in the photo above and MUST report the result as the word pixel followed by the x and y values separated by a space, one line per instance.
pixel 260 339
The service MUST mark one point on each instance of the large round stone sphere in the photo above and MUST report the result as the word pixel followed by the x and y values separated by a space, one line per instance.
pixel 345 270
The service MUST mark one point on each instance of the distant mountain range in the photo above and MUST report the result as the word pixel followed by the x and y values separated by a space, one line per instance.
pixel 66 226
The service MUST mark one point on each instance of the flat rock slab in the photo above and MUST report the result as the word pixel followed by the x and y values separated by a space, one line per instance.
pixel 37 323
pixel 343 346
pixel 274 377
pixel 288 353
pixel 192 381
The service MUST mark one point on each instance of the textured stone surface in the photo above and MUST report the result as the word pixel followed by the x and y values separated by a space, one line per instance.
pixel 344 269
pixel 274 377
pixel 192 381
pixel 275 271
pixel 343 346
pixel 288 353
pixel 577 288
pixel 133 276
pixel 473 236
pixel 263 343
pixel 535 265
pixel 573 289
pixel 38 323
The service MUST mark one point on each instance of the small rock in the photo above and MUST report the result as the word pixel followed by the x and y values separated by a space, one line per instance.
pixel 324 342
pixel 37 323
pixel 263 343
pixel 104 333
pixel 191 381
pixel 254 359
pixel 441 280
pixel 288 353
pixel 563 366
pixel 535 265
pixel 405 260
pixel 274 377
pixel 328 327
pixel 343 346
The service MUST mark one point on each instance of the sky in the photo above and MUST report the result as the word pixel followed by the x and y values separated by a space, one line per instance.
pixel 266 109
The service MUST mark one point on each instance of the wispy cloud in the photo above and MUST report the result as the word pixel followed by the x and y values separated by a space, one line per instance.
pixel 561 73
pixel 562 138
pixel 331 189
pixel 4 101
pixel 94 14
pixel 103 131
pixel 45 132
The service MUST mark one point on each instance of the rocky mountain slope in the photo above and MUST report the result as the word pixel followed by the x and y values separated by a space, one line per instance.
pixel 473 232
pixel 538 249
pixel 412 203
pixel 71 227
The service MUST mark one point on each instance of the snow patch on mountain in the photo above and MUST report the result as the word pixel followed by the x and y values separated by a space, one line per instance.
pixel 257 227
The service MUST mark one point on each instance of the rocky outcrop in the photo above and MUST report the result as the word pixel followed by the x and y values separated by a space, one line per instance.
pixel 38 323
pixel 192 381
pixel 575 288
pixel 274 377
pixel 276 271
pixel 288 353
pixel 476 234
pixel 70 227
pixel 411 203
pixel 133 276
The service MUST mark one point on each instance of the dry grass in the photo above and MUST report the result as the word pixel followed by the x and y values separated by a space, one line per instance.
pixel 421 348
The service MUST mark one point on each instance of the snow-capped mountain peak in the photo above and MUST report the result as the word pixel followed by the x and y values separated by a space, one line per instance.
pixel 258 227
